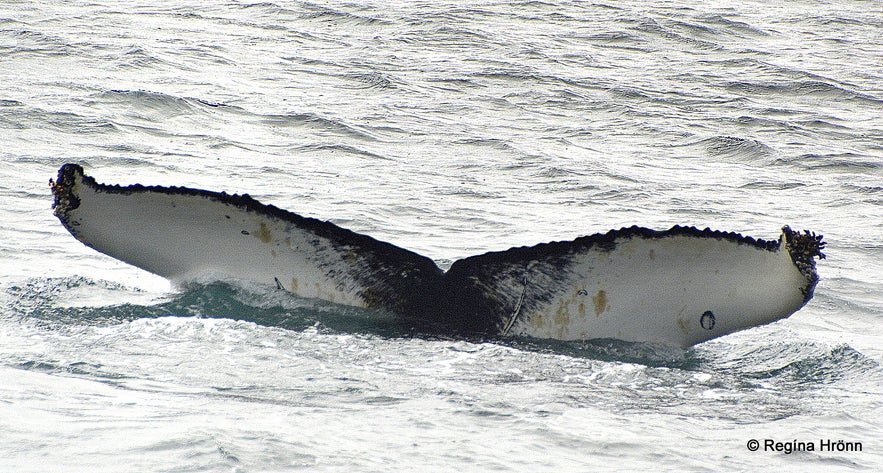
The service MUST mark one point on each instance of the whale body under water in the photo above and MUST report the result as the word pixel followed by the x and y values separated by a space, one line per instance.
pixel 680 286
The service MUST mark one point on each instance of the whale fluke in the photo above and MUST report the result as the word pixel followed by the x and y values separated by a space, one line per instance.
pixel 680 286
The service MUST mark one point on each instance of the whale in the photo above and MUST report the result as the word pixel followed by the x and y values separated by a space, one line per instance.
pixel 680 286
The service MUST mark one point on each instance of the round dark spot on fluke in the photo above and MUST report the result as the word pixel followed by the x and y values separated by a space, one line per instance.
pixel 707 320
pixel 245 232
pixel 583 292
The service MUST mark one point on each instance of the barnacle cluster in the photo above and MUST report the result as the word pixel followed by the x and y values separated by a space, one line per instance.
pixel 65 200
pixel 803 248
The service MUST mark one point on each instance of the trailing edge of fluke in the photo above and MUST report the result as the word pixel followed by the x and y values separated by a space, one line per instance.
pixel 680 286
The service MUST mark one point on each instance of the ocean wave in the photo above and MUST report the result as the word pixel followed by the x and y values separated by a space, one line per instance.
pixel 730 147
pixel 17 115
pixel 33 41
pixel 340 17
pixel 678 32
pixel 799 363
pixel 372 80
pixel 740 148
pixel 802 88
pixel 769 185
pixel 58 301
pixel 844 162
pixel 324 149
pixel 157 105
pixel 443 32
pixel 316 122
pixel 736 27
pixel 138 57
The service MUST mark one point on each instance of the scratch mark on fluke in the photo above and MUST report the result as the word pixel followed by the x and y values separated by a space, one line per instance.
pixel 514 316
pixel 655 276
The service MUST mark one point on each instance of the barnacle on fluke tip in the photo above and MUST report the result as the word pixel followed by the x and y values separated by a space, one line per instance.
pixel 804 248
pixel 679 286
pixel 806 245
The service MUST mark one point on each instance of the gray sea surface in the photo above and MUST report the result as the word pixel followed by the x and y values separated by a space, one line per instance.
pixel 451 129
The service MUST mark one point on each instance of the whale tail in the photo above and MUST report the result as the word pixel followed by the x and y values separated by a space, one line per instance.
pixel 681 286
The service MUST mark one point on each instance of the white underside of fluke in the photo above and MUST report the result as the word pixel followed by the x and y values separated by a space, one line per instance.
pixel 188 237
pixel 678 290
pixel 678 287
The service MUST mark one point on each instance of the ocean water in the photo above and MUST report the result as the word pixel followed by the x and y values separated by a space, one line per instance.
pixel 449 128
